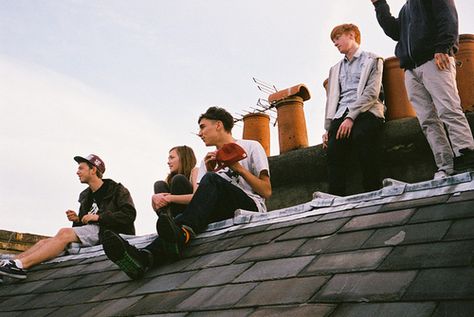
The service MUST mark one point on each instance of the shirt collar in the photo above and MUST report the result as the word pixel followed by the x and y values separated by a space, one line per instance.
pixel 356 55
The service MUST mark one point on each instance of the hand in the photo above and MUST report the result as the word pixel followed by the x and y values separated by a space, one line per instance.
pixel 442 61
pixel 72 216
pixel 159 200
pixel 345 129
pixel 325 140
pixel 90 218
pixel 210 161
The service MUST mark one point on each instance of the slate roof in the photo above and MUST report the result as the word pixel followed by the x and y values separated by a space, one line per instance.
pixel 406 250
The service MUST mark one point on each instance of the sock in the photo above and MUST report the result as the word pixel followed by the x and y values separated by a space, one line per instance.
pixel 18 263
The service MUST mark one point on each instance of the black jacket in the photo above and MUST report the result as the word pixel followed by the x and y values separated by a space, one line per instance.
pixel 116 212
pixel 423 28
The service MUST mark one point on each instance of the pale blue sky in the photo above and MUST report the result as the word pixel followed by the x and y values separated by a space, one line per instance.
pixel 127 80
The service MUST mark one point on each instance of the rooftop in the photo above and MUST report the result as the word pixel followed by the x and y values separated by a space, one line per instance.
pixel 405 250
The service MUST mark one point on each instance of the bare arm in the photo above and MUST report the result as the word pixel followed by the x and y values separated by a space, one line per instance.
pixel 261 184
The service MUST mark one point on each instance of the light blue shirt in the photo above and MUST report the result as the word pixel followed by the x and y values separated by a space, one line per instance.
pixel 349 77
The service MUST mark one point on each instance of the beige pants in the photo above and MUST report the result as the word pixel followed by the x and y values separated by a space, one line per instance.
pixel 434 96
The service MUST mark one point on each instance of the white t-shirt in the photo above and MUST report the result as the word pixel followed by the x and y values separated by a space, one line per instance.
pixel 256 161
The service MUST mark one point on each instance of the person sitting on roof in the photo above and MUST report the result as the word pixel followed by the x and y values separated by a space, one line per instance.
pixel 104 205
pixel 354 114
pixel 224 186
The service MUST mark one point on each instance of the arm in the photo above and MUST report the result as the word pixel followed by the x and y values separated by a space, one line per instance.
pixel 124 213
pixel 446 20
pixel 261 184
pixel 389 24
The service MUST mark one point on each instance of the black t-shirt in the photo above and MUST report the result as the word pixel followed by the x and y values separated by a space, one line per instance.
pixel 97 198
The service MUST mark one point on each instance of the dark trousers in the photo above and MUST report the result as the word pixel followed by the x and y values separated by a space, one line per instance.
pixel 363 140
pixel 215 199
pixel 179 185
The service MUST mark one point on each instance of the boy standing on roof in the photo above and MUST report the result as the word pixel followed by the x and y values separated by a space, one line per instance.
pixel 427 39
pixel 105 204
pixel 354 113
pixel 222 189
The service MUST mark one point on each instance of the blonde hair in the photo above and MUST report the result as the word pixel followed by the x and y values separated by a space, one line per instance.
pixel 187 161
pixel 346 28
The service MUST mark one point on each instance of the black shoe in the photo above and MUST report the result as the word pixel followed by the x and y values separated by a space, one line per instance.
pixel 130 260
pixel 9 268
pixel 173 236
pixel 464 162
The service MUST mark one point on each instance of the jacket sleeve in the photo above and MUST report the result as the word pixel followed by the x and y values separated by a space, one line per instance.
pixel 446 21
pixel 371 92
pixel 389 24
pixel 125 212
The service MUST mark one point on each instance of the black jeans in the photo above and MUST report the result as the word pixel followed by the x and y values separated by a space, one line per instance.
pixel 180 185
pixel 215 199
pixel 363 140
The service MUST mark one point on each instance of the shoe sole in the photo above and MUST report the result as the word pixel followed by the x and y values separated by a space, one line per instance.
pixel 167 233
pixel 17 276
pixel 116 251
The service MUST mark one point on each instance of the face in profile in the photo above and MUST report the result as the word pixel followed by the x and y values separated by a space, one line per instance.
pixel 173 161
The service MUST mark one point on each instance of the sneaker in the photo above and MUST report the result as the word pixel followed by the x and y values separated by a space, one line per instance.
pixel 464 162
pixel 9 268
pixel 173 236
pixel 440 175
pixel 132 261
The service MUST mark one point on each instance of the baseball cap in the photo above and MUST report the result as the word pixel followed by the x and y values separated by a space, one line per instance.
pixel 92 159
pixel 228 154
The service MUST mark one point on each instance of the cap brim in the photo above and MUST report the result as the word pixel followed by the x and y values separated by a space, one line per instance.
pixel 80 159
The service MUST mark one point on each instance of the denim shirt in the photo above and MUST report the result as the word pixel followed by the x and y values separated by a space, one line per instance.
pixel 349 78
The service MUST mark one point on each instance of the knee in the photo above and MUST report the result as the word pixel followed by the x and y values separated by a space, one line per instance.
pixel 160 187
pixel 209 178
pixel 179 179
pixel 66 235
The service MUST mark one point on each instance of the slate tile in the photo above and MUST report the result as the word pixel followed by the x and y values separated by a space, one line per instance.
pixel 315 245
pixel 215 297
pixel 119 290
pixel 110 308
pixel 315 229
pixel 385 219
pixel 351 212
pixel 287 291
pixel 215 276
pixel 164 283
pixel 245 231
pixel 223 313
pixel 408 234
pixel 347 261
pixel 424 309
pixel 468 195
pixel 214 246
pixel 157 303
pixel 274 269
pixel 445 283
pixel 456 210
pixel 22 287
pixel 461 229
pixel 348 241
pixel 292 223
pixel 58 284
pixel 66 271
pixel 259 238
pixel 455 308
pixel 94 259
pixel 91 279
pixel 173 267
pixel 270 251
pixel 80 296
pixel 12 314
pixel 16 302
pixel 365 286
pixel 217 259
pixel 44 300
pixel 319 310
pixel 72 310
pixel 441 254
pixel 436 200
pixel 99 267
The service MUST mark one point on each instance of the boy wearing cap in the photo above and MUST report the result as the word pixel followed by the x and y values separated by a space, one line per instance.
pixel 105 204
pixel 232 177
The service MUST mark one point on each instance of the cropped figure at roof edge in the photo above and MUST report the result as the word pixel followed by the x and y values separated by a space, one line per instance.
pixel 427 39
pixel 104 205
pixel 354 113
pixel 234 176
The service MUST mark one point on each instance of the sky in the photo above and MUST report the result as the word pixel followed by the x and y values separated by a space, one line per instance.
pixel 127 80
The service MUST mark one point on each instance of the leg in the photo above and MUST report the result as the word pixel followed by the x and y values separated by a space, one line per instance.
pixel 443 90
pixel 161 187
pixel 431 124
pixel 180 185
pixel 50 248
pixel 337 152
pixel 364 140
